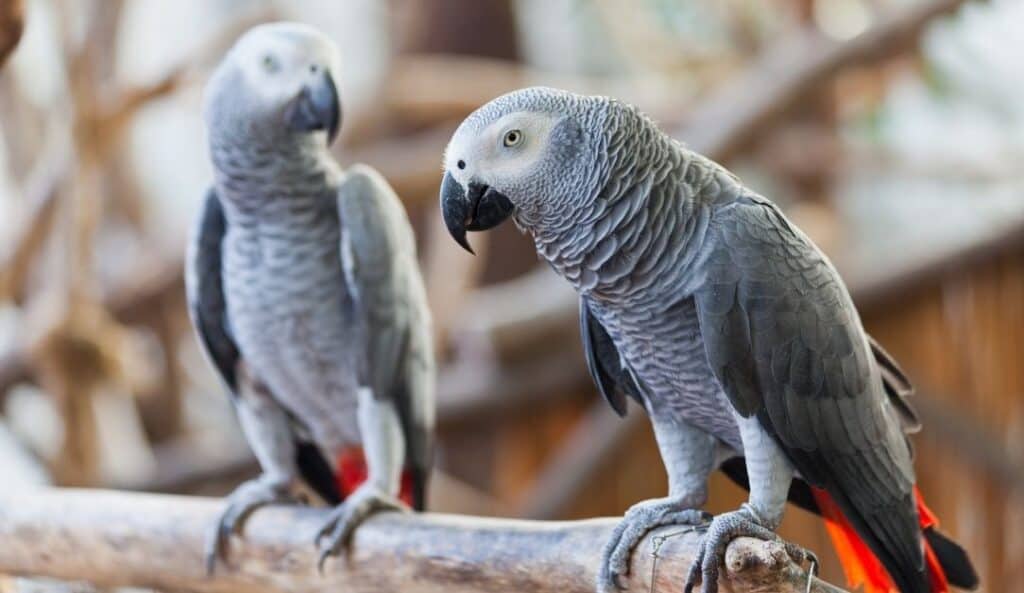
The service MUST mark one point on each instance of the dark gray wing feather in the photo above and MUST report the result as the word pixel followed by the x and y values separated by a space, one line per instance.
pixel 205 291
pixel 897 386
pixel 613 380
pixel 785 342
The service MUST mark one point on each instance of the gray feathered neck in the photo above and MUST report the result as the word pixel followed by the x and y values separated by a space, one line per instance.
pixel 257 161
pixel 626 208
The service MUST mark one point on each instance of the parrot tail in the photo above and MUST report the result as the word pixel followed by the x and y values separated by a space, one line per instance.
pixel 946 561
pixel 352 472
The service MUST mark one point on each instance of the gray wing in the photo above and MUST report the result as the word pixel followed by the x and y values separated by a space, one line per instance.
pixel 205 291
pixel 379 254
pixel 613 379
pixel 785 342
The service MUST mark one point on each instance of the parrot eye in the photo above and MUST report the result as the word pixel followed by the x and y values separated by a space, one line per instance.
pixel 512 138
pixel 269 63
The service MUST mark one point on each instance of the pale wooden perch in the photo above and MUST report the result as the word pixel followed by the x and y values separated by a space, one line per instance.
pixel 119 539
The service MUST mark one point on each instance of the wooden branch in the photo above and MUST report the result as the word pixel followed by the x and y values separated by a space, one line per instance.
pixel 117 113
pixel 732 117
pixel 127 304
pixel 42 196
pixel 116 539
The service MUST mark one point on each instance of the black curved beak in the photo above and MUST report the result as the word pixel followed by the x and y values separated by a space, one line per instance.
pixel 316 107
pixel 478 209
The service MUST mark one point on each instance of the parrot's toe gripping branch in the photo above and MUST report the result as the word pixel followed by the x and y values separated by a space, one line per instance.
pixel 343 520
pixel 640 520
pixel 723 529
pixel 241 503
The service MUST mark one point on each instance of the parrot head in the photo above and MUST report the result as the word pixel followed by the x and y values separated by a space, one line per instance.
pixel 277 80
pixel 523 155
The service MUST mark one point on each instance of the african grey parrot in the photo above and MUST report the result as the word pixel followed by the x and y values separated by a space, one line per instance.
pixel 304 289
pixel 702 302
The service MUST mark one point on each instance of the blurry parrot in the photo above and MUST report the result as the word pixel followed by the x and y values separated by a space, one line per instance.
pixel 304 288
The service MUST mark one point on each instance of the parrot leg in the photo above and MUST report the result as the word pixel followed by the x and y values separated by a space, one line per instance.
pixel 384 447
pixel 343 520
pixel 770 474
pixel 689 456
pixel 268 431
pixel 251 495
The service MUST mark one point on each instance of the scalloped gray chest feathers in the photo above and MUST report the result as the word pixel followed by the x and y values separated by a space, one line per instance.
pixel 287 299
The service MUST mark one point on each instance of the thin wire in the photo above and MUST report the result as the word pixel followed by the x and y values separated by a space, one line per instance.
pixel 656 543
pixel 810 573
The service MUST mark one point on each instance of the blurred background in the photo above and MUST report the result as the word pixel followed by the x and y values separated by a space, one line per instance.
pixel 891 131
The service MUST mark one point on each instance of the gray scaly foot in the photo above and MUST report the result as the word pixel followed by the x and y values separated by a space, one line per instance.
pixel 337 531
pixel 248 497
pixel 723 529
pixel 640 519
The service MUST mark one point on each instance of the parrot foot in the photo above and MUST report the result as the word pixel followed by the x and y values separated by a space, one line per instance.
pixel 640 519
pixel 723 529
pixel 248 497
pixel 343 520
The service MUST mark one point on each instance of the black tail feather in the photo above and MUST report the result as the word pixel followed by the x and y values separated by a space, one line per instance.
pixel 420 478
pixel 953 558
pixel 317 472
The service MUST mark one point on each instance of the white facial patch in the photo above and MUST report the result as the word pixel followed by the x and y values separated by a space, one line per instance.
pixel 277 59
pixel 505 149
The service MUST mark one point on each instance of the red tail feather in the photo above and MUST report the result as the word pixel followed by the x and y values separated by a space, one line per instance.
pixel 861 566
pixel 351 472
pixel 936 575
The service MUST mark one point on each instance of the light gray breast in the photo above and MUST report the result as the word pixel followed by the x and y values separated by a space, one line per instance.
pixel 663 345
pixel 293 317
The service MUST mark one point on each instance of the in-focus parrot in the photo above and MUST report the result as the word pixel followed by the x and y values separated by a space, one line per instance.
pixel 304 288
pixel 702 302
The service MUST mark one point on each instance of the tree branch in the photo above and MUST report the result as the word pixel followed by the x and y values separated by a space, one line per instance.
pixel 732 117
pixel 118 539
pixel 42 196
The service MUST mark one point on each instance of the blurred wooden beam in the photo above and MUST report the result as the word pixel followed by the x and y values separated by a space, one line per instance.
pixel 971 439
pixel 733 117
pixel 12 24
pixel 411 163
pixel 113 539
pixel 472 395
pixel 458 27
pixel 424 89
pixel 876 284
pixel 587 451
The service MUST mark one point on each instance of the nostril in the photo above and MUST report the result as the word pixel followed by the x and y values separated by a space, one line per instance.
pixel 461 164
